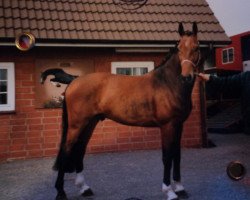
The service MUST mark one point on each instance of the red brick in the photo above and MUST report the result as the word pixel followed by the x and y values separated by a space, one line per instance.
pixel 51 139
pixel 50 120
pixel 4 148
pixel 34 140
pixel 33 133
pixel 19 128
pixel 108 141
pixel 50 152
pixel 35 114
pixel 51 113
pixel 5 122
pixel 138 133
pixel 154 132
pixel 4 142
pixel 23 90
pixel 49 133
pixel 17 121
pixel 15 147
pixel 28 83
pixel 109 129
pixel 4 156
pixel 51 126
pixel 123 128
pixel 34 121
pixel 153 145
pixel 136 139
pixel 110 148
pixel 125 147
pixel 97 148
pixel 33 146
pixel 110 123
pixel 36 127
pixel 4 117
pixel 139 145
pixel 27 96
pixel 151 138
pixel 123 140
pixel 124 134
pixel 35 153
pixel 16 134
pixel 49 145
pixel 17 155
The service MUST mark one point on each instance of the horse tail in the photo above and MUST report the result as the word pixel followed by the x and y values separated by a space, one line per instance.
pixel 62 158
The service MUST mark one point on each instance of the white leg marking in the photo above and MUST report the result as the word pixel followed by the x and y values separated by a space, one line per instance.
pixel 178 187
pixel 80 182
pixel 169 192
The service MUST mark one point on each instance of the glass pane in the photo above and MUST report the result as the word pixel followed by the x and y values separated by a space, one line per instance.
pixel 143 70
pixel 3 99
pixel 140 70
pixel 231 55
pixel 3 74
pixel 224 54
pixel 125 71
pixel 3 86
pixel 136 71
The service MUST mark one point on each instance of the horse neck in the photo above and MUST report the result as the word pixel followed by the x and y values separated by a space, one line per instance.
pixel 169 70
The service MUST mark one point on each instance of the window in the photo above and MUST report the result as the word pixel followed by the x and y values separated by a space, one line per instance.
pixel 131 68
pixel 7 87
pixel 227 55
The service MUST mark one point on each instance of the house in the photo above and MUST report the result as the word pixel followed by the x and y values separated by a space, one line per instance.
pixel 82 37
pixel 236 56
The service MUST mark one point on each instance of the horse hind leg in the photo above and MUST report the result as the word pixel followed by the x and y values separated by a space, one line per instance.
pixel 84 138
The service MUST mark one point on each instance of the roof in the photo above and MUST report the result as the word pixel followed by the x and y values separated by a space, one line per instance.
pixel 104 21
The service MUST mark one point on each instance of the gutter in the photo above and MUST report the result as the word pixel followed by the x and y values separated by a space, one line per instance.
pixel 107 45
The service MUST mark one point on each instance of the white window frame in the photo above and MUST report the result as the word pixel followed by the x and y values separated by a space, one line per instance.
pixel 10 106
pixel 227 52
pixel 132 64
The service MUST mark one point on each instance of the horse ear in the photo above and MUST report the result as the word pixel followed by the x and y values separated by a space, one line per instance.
pixel 195 28
pixel 181 29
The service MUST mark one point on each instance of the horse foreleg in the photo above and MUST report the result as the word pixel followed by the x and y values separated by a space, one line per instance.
pixel 167 133
pixel 61 195
pixel 177 185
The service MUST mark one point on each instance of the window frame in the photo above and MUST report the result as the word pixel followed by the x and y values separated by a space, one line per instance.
pixel 227 55
pixel 10 106
pixel 131 64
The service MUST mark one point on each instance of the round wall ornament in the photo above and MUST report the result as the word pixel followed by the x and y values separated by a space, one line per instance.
pixel 25 41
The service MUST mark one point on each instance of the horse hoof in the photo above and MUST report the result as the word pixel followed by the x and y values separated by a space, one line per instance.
pixel 61 196
pixel 182 194
pixel 87 193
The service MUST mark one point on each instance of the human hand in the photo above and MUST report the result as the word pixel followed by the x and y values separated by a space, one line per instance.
pixel 204 77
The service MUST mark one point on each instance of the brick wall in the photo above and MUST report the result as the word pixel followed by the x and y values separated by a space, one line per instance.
pixel 32 132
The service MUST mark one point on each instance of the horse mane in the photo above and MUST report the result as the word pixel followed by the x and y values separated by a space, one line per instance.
pixel 167 57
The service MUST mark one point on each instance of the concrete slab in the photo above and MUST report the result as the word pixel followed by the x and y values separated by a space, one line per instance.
pixel 119 176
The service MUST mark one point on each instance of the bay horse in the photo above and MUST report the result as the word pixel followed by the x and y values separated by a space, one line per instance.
pixel 160 98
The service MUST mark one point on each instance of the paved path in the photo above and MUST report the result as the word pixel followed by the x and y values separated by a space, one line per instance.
pixel 118 176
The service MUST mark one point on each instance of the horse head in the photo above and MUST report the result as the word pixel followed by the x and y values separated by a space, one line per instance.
pixel 43 77
pixel 188 50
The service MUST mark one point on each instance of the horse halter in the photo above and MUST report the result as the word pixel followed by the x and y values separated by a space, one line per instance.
pixel 191 62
